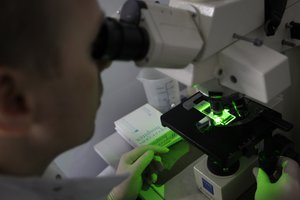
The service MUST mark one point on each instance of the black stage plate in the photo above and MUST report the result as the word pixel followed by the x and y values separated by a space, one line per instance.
pixel 225 144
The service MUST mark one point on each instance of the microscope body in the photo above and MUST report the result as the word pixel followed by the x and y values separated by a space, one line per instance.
pixel 224 47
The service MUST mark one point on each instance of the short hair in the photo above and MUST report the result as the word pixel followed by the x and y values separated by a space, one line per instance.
pixel 28 36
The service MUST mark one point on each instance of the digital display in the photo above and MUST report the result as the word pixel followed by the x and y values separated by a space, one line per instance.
pixel 209 187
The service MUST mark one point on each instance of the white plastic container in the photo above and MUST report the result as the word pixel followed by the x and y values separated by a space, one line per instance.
pixel 162 91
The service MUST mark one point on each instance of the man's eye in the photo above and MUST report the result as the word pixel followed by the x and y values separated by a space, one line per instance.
pixel 103 65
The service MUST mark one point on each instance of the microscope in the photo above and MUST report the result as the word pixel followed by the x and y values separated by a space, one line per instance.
pixel 229 51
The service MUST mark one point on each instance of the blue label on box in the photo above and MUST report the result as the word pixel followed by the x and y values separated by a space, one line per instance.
pixel 208 186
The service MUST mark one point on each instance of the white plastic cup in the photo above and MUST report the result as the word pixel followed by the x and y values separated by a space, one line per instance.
pixel 162 91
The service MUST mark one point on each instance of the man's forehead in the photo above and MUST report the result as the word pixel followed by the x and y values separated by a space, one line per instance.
pixel 91 7
pixel 82 5
pixel 77 10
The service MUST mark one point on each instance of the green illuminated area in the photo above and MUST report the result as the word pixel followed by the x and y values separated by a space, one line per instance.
pixel 236 109
pixel 219 120
pixel 268 190
pixel 167 139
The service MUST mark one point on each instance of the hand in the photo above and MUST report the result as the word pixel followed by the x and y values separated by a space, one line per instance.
pixel 287 187
pixel 134 163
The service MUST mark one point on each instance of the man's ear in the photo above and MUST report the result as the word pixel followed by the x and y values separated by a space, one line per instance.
pixel 14 108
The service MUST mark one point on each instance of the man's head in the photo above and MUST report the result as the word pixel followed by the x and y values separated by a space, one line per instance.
pixel 28 35
pixel 49 84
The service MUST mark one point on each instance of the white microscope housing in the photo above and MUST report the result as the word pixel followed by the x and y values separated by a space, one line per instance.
pixel 198 37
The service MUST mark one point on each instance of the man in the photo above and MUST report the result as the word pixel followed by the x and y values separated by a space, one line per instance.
pixel 50 89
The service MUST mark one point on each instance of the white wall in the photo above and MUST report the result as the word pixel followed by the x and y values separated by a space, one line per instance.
pixel 291 103
pixel 122 94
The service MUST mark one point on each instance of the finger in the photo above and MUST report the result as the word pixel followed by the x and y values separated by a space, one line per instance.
pixel 289 166
pixel 133 155
pixel 154 178
pixel 151 171
pixel 157 159
pixel 149 179
pixel 255 171
pixel 262 178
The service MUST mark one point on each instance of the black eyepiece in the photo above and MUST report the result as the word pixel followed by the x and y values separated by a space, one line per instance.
pixel 120 41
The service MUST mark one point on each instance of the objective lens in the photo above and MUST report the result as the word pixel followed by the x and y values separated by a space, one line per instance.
pixel 120 41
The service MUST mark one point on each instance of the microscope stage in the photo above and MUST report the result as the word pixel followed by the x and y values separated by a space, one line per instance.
pixel 226 142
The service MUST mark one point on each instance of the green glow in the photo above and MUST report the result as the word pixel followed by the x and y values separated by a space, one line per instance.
pixel 236 109
pixel 266 190
pixel 168 139
pixel 217 97
pixel 195 86
pixel 219 120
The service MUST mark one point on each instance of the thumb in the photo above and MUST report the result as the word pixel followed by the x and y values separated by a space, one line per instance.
pixel 255 172
pixel 289 166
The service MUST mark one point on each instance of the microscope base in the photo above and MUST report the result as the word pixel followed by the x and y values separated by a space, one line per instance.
pixel 225 187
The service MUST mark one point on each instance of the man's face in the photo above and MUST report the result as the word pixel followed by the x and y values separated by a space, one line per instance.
pixel 68 103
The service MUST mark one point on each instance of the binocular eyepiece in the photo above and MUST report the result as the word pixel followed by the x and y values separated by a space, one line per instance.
pixel 124 39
